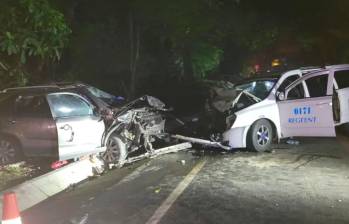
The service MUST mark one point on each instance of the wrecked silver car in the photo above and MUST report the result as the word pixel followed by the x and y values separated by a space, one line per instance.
pixel 71 120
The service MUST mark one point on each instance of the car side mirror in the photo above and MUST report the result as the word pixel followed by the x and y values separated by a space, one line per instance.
pixel 280 96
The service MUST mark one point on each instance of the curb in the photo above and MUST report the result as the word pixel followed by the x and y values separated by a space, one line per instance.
pixel 40 188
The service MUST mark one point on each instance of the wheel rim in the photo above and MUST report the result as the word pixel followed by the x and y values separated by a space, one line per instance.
pixel 7 152
pixel 112 154
pixel 263 135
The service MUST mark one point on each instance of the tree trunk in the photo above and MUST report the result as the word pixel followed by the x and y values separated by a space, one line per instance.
pixel 134 54
pixel 188 71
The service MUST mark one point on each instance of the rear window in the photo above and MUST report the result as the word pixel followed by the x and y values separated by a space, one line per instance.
pixel 6 104
pixel 32 106
pixel 342 78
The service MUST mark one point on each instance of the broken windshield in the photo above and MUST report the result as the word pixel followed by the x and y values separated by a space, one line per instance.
pixel 107 98
pixel 258 89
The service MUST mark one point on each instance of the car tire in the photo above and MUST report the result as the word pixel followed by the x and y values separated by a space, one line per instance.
pixel 116 151
pixel 9 151
pixel 260 136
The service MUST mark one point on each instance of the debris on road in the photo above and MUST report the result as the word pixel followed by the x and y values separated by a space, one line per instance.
pixel 153 154
pixel 157 190
pixel 58 164
pixel 292 141
pixel 202 142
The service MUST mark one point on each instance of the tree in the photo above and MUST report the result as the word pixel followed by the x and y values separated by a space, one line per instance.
pixel 31 33
pixel 188 28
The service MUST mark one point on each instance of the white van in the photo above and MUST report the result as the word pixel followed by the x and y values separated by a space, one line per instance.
pixel 302 102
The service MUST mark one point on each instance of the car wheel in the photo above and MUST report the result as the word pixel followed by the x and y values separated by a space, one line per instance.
pixel 260 136
pixel 8 151
pixel 116 151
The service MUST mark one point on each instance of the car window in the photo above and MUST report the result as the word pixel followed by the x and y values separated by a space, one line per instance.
pixel 287 82
pixel 32 106
pixel 67 105
pixel 6 104
pixel 317 85
pixel 296 92
pixel 342 78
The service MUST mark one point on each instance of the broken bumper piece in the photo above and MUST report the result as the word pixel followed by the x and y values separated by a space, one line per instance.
pixel 202 142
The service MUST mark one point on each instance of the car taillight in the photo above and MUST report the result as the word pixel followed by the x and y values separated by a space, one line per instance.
pixel 230 120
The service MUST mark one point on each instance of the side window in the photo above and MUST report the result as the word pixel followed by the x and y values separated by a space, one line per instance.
pixel 287 82
pixel 32 106
pixel 317 85
pixel 342 78
pixel 6 105
pixel 296 92
pixel 66 105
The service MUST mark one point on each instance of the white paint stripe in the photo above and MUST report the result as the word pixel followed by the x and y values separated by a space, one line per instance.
pixel 166 205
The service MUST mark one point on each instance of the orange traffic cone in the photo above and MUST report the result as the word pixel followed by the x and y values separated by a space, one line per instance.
pixel 10 211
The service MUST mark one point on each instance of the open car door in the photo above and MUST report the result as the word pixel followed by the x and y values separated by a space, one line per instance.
pixel 79 130
pixel 307 107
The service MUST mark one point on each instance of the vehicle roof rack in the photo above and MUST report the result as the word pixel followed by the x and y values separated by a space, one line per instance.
pixel 311 68
pixel 57 85
pixel 29 87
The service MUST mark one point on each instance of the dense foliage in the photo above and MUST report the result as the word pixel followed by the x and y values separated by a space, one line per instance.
pixel 30 32
pixel 136 46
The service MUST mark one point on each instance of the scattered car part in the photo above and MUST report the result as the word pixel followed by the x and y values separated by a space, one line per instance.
pixel 58 164
pixel 155 153
pixel 202 142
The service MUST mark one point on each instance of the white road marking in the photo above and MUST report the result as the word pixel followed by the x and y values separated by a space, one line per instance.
pixel 166 205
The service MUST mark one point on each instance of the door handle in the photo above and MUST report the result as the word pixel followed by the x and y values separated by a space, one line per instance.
pixel 67 127
pixel 12 121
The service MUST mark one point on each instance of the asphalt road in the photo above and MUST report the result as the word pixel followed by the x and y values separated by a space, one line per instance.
pixel 308 183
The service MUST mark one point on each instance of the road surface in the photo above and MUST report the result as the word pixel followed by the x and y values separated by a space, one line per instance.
pixel 308 183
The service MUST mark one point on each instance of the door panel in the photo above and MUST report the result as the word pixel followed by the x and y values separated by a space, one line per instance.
pixel 79 130
pixel 341 83
pixel 307 117
pixel 34 124
pixel 343 96
pixel 309 114
pixel 78 136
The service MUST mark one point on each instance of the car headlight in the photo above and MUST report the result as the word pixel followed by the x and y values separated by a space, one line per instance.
pixel 230 120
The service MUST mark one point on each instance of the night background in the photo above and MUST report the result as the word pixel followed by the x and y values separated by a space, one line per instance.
pixel 182 137
pixel 164 48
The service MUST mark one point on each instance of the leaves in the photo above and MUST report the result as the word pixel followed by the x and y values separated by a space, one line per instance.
pixel 31 28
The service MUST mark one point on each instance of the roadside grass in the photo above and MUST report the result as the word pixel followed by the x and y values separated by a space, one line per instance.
pixel 14 174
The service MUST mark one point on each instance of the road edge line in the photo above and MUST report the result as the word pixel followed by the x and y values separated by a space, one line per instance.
pixel 166 205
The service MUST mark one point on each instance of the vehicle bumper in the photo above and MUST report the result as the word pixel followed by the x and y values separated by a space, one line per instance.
pixel 236 137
